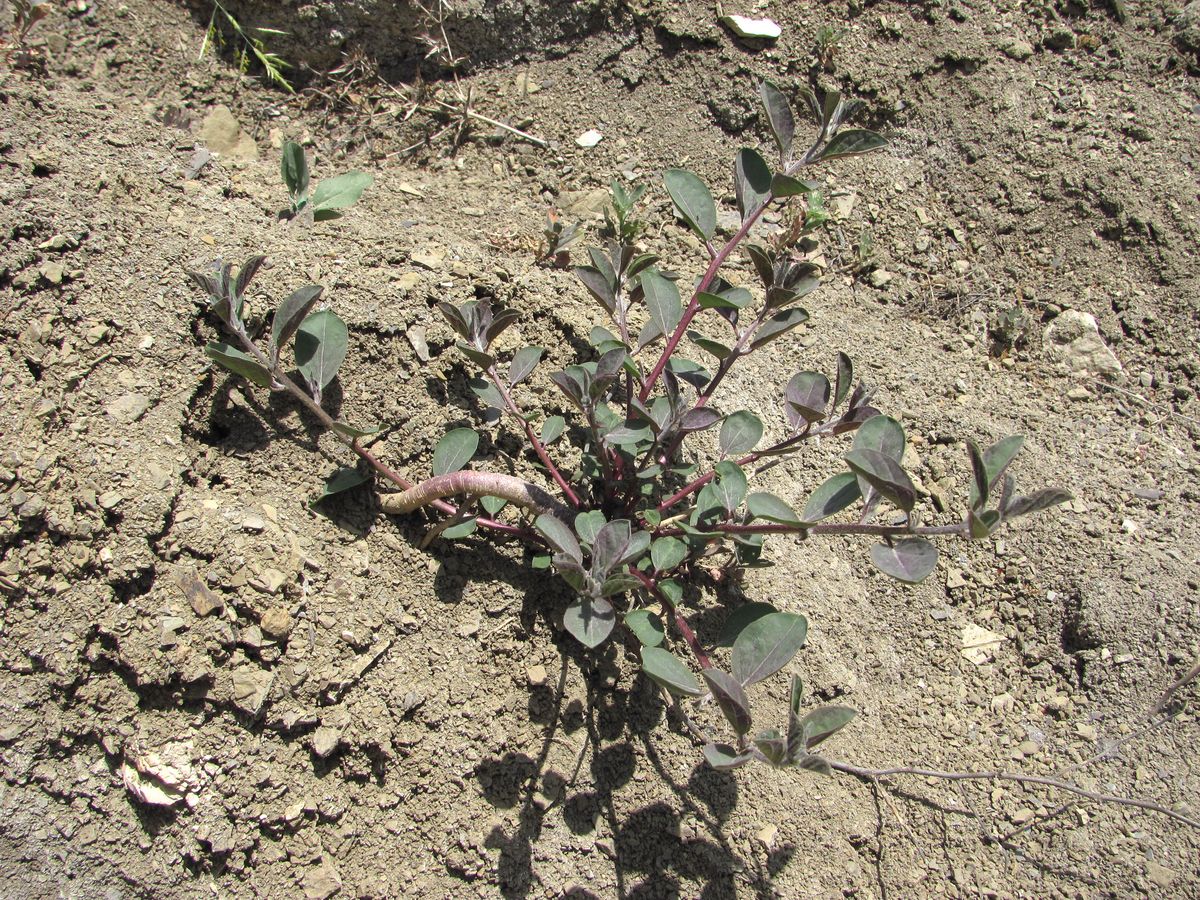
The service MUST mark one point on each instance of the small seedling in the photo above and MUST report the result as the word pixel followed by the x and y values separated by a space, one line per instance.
pixel 557 238
pixel 26 14
pixel 828 39
pixel 248 48
pixel 619 222
pixel 329 197
pixel 659 498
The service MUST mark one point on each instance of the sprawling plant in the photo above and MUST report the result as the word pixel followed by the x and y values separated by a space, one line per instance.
pixel 659 493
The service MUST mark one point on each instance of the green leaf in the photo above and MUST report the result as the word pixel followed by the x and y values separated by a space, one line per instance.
pixel 751 181
pixel 290 314
pixel 740 433
pixel 910 560
pixel 705 300
pixel 885 475
pixel 461 530
pixel 979 477
pixel 693 202
pixel 646 627
pixel 771 509
pixel 552 429
pixel 699 418
pixel 294 169
pixel 559 536
pixel 321 342
pixel 766 645
pixel 238 363
pixel 454 450
pixel 779 117
pixel 982 524
pixel 351 431
pixel 881 433
pixel 845 375
pixel 1042 500
pixel 778 325
pixel 787 186
pixel 588 525
pixel 662 301
pixel 523 363
pixel 666 553
pixel 823 723
pixel 729 485
pixel 492 505
pixel 340 192
pixel 814 763
pixel 731 697
pixel 723 756
pixel 487 392
pixel 771 744
pixel 737 621
pixel 852 142
pixel 996 460
pixel 666 670
pixel 590 621
pixel 342 480
pixel 834 495
pixel 716 348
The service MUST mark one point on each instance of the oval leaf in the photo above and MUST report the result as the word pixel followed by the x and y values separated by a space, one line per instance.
pixel 852 142
pixel 823 723
pixel 910 560
pixel 699 418
pixel 723 756
pixel 751 181
pixel 321 342
pixel 342 480
pixel 808 395
pixel 771 509
pixel 779 117
pixel 523 363
pixel 740 618
pixel 559 536
pixel 454 451
pixel 646 627
pixel 666 670
pixel 290 314
pixel 294 169
pixel 667 553
pixel 590 621
pixel 693 202
pixel 552 429
pixel 238 362
pixel 740 433
pixel 767 645
pixel 339 192
pixel 662 301
pixel 885 475
pixel 731 697
pixel 832 496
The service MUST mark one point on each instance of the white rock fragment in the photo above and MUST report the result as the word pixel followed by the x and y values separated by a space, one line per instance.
pixel 1074 338
pixel 589 139
pixel 743 27
pixel 978 644
pixel 162 777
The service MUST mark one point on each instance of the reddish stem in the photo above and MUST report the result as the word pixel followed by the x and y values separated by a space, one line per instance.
pixel 685 630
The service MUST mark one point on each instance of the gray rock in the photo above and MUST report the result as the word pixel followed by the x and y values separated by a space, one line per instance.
pixel 325 740
pixel 250 687
pixel 322 882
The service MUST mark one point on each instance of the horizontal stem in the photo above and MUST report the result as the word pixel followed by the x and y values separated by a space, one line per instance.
pixel 480 484
pixel 874 774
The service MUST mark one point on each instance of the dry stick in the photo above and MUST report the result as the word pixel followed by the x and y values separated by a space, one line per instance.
pixel 1173 688
pixel 861 772
pixel 490 121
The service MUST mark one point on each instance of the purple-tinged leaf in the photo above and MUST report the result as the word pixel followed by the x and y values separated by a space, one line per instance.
pixel 238 362
pixel 455 319
pixel 693 202
pixel 814 763
pixel 731 697
pixel 764 263
pixel 751 181
pixel 487 392
pixel 292 311
pixel 321 343
pixel 852 142
pixel 249 269
pixel 845 376
pixel 824 722
pixel 980 525
pixel 501 320
pixel 777 325
pixel 910 560
pixel 699 419
pixel 808 395
pixel 662 301
pixel 1042 500
pixel 559 536
pixel 996 460
pixel 885 475
pixel 609 546
pixel 883 434
pixel 342 480
pixel 979 487
pixel 787 186
pixel 772 745
pixel 779 117
pixel 481 359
